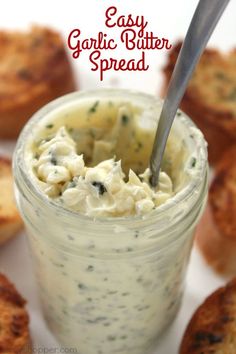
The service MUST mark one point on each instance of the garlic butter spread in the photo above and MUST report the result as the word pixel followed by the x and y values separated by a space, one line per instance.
pixel 108 284
pixel 101 168
pixel 99 190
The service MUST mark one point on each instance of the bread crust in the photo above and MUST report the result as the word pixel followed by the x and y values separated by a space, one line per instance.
pixel 34 69
pixel 211 109
pixel 212 329
pixel 14 320
pixel 10 220
pixel 216 232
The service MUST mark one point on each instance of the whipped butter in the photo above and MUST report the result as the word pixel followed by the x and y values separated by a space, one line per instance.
pixel 102 170
pixel 95 191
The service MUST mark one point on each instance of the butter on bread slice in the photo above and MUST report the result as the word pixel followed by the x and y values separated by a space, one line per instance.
pixel 210 99
pixel 216 232
pixel 212 329
pixel 14 320
pixel 34 69
pixel 10 221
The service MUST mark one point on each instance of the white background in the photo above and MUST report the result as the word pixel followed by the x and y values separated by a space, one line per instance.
pixel 169 19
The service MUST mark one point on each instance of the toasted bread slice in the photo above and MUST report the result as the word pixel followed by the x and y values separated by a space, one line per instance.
pixel 10 221
pixel 14 320
pixel 210 99
pixel 34 69
pixel 216 233
pixel 212 329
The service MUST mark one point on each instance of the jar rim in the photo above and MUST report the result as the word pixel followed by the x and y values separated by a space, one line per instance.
pixel 19 163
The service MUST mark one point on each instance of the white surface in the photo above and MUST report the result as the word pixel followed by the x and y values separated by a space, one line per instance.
pixel 169 19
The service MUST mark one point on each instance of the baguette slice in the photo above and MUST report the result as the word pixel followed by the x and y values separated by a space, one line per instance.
pixel 34 69
pixel 14 320
pixel 10 221
pixel 210 99
pixel 212 329
pixel 216 232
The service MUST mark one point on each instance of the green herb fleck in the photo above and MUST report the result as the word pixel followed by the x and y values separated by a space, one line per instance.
pixel 179 114
pixel 53 160
pixel 139 146
pixel 70 130
pixel 107 324
pixel 123 337
pixel 71 238
pixel 49 126
pixel 125 119
pixel 100 187
pixel 81 286
pixel 90 268
pixel 94 107
pixel 171 304
pixel 100 318
pixel 91 246
pixel 193 162
pixel 111 338
pixel 122 307
pixel 71 184
pixel 142 308
pixel 91 321
pixel 112 292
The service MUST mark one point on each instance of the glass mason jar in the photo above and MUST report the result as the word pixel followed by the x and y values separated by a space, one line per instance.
pixel 111 285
